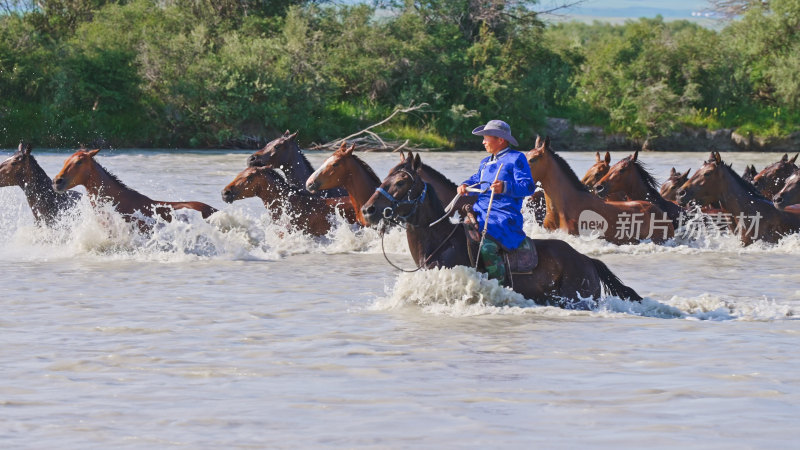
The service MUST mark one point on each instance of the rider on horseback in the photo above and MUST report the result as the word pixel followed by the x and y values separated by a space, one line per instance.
pixel 513 183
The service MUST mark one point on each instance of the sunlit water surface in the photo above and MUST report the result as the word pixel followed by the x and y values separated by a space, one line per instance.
pixel 234 333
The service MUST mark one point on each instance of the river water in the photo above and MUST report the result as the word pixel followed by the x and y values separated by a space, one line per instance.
pixel 234 333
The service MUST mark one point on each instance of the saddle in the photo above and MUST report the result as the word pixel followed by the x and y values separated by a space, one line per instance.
pixel 521 260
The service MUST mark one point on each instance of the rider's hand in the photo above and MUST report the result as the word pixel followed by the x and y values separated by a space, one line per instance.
pixel 498 186
pixel 462 190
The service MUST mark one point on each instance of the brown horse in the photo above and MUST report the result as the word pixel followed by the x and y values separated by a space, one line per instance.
pixel 629 179
pixel 22 170
pixel 572 208
pixel 284 153
pixel 669 189
pixel 82 169
pixel 790 193
pixel 309 212
pixel 562 277
pixel 770 180
pixel 751 216
pixel 598 170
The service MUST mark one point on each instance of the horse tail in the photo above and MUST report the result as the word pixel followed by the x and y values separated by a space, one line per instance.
pixel 613 284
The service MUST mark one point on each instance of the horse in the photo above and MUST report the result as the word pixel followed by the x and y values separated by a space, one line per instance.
pixel 751 215
pixel 628 179
pixel 749 173
pixel 284 153
pixel 562 276
pixel 598 170
pixel 790 193
pixel 22 170
pixel 770 180
pixel 309 212
pixel 344 169
pixel 82 169
pixel 572 208
pixel 669 189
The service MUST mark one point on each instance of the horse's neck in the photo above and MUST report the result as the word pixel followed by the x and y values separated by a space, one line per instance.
pixel 42 198
pixel 739 202
pixel 560 191
pixel 101 184
pixel 423 239
pixel 298 170
pixel 360 185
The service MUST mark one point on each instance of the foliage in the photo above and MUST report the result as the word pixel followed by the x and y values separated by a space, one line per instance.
pixel 239 72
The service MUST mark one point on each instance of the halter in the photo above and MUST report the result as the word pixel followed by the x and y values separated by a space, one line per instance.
pixel 390 212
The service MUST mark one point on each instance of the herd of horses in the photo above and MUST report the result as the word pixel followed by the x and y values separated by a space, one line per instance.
pixel 412 195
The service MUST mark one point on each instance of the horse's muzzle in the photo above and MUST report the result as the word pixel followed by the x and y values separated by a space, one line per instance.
pixel 312 187
pixel 254 161
pixel 227 196
pixel 58 185
pixel 371 214
pixel 600 190
pixel 682 197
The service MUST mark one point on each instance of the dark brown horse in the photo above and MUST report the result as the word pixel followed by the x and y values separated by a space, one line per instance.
pixel 770 180
pixel 749 173
pixel 629 179
pixel 283 153
pixel 22 170
pixel 308 212
pixel 562 272
pixel 572 208
pixel 82 169
pixel 790 193
pixel 669 189
pixel 598 170
pixel 752 216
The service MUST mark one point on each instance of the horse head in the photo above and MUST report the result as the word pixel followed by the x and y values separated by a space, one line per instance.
pixel 749 173
pixel 331 173
pixel 790 193
pixel 706 185
pixel 77 169
pixel 770 180
pixel 399 194
pixel 277 153
pixel 18 168
pixel 619 179
pixel 598 170
pixel 261 182
pixel 536 157
pixel 670 188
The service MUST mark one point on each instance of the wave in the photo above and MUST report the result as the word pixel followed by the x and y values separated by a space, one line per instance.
pixel 464 292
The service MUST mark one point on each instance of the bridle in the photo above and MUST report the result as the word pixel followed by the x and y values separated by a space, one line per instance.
pixel 391 213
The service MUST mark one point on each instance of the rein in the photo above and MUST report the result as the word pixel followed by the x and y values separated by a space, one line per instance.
pixel 391 214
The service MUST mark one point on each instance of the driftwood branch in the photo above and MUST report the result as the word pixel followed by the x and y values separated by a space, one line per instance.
pixel 369 140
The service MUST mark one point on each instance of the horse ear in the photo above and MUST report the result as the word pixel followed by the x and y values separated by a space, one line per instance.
pixel 539 142
pixel 672 172
pixel 608 158
pixel 94 152
pixel 597 156
pixel 286 133
pixel 19 149
pixel 717 157
pixel 343 146
pixel 28 149
pixel 686 174
pixel 417 163
pixel 293 135
pixel 636 155
pixel 794 160
pixel 350 149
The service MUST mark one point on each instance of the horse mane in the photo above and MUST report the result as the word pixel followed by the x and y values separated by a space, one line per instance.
pixel 565 167
pixel 649 179
pixel 110 175
pixel 435 173
pixel 367 168
pixel 744 184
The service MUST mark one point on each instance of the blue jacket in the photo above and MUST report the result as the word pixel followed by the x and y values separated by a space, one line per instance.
pixel 505 218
